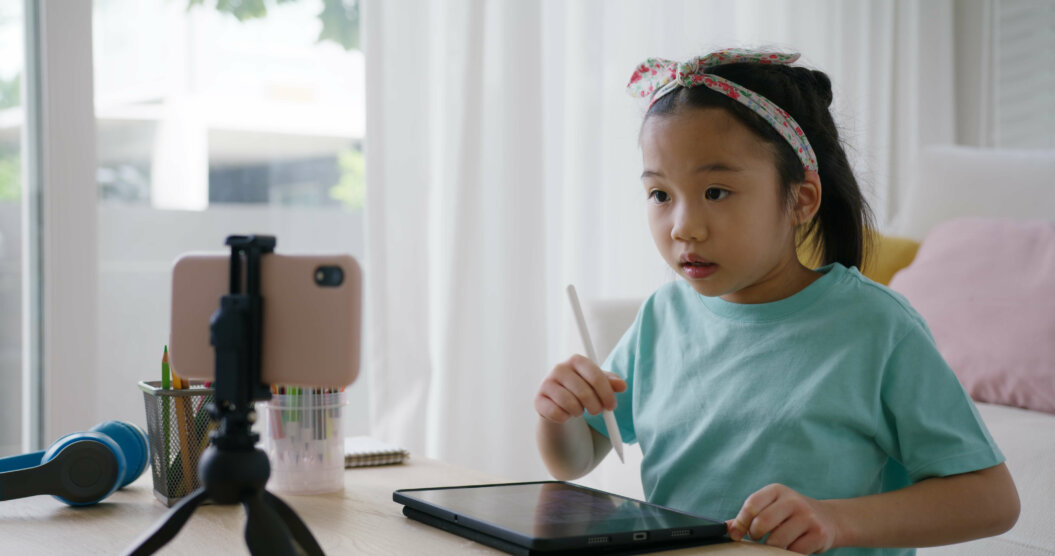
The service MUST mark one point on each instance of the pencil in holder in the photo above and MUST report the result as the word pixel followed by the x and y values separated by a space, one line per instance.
pixel 304 440
pixel 178 428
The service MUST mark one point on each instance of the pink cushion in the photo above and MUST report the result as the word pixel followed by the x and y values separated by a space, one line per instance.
pixel 987 290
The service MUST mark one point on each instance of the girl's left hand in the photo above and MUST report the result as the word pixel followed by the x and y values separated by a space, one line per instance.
pixel 792 521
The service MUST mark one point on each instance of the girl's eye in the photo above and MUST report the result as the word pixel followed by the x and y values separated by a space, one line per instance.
pixel 658 196
pixel 715 193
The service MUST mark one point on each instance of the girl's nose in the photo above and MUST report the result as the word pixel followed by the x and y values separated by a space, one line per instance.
pixel 689 225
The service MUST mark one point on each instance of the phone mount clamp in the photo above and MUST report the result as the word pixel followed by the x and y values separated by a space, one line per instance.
pixel 232 469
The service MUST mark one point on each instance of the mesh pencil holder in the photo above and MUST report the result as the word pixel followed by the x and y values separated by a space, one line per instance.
pixel 178 427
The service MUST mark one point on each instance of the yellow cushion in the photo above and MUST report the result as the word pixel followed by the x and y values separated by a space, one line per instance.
pixel 888 255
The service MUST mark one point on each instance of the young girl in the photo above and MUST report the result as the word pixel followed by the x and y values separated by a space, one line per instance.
pixel 809 408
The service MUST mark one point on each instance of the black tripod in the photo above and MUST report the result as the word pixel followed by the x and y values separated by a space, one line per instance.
pixel 231 469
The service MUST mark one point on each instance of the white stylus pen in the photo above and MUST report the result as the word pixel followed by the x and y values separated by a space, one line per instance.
pixel 609 418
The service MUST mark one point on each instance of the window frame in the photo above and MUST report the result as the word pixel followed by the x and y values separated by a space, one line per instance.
pixel 60 224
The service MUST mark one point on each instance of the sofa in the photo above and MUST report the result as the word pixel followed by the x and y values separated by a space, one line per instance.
pixel 974 252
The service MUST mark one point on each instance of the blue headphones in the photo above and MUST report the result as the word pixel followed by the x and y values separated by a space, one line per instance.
pixel 79 469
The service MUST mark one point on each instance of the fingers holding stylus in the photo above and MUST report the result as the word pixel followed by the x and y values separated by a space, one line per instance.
pixel 603 385
pixel 574 386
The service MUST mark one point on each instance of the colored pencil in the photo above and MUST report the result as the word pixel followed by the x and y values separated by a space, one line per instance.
pixel 185 422
pixel 165 409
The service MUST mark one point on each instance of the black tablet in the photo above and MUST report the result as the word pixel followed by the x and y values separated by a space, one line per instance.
pixel 549 517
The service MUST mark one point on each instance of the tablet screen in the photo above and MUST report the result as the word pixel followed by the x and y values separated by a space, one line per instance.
pixel 554 509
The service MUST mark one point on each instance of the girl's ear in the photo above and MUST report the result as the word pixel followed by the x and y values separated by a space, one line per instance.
pixel 807 198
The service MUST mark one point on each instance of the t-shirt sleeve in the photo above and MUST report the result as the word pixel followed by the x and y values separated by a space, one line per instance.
pixel 927 422
pixel 622 362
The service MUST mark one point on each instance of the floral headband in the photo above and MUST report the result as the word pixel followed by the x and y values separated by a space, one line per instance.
pixel 657 77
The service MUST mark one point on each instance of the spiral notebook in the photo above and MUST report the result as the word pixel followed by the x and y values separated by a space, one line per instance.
pixel 362 451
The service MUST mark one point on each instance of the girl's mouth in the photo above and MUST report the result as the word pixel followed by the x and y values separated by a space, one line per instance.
pixel 697 270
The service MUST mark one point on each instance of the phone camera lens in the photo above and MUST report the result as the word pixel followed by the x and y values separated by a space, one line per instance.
pixel 329 276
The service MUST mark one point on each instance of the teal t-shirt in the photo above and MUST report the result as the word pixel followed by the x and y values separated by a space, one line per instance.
pixel 837 392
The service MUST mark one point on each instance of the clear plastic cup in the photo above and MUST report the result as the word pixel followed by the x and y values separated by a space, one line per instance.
pixel 304 439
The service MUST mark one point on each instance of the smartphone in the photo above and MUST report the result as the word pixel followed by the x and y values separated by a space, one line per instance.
pixel 311 317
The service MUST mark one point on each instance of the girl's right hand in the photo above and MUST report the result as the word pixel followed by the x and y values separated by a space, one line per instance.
pixel 574 386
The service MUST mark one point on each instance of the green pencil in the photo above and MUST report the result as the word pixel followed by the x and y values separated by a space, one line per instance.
pixel 166 383
pixel 166 375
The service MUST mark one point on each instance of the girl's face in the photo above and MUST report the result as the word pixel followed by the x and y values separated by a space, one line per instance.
pixel 715 208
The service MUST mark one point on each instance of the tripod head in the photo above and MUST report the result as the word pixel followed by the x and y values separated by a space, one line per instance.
pixel 237 357
pixel 236 333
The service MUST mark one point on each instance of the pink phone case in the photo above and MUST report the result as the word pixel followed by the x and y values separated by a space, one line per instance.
pixel 311 333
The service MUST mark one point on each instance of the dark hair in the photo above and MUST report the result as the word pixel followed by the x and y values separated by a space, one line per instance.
pixel 839 231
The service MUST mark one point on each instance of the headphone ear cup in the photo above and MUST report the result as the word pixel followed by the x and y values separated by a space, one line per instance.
pixel 79 469
pixel 132 442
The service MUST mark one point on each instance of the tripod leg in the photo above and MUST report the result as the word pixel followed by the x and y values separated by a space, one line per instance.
pixel 166 529
pixel 301 534
pixel 265 531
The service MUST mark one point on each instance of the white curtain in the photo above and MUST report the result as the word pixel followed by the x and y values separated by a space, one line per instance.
pixel 502 164
pixel 976 73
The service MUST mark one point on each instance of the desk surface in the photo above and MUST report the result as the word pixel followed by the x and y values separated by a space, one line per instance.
pixel 362 519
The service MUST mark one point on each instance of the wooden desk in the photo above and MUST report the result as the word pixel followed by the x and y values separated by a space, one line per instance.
pixel 362 519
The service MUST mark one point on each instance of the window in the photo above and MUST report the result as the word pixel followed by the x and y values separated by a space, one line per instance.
pixel 208 120
pixel 196 108
pixel 214 121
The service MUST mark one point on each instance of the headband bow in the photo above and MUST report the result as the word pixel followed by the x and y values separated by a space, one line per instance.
pixel 657 77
